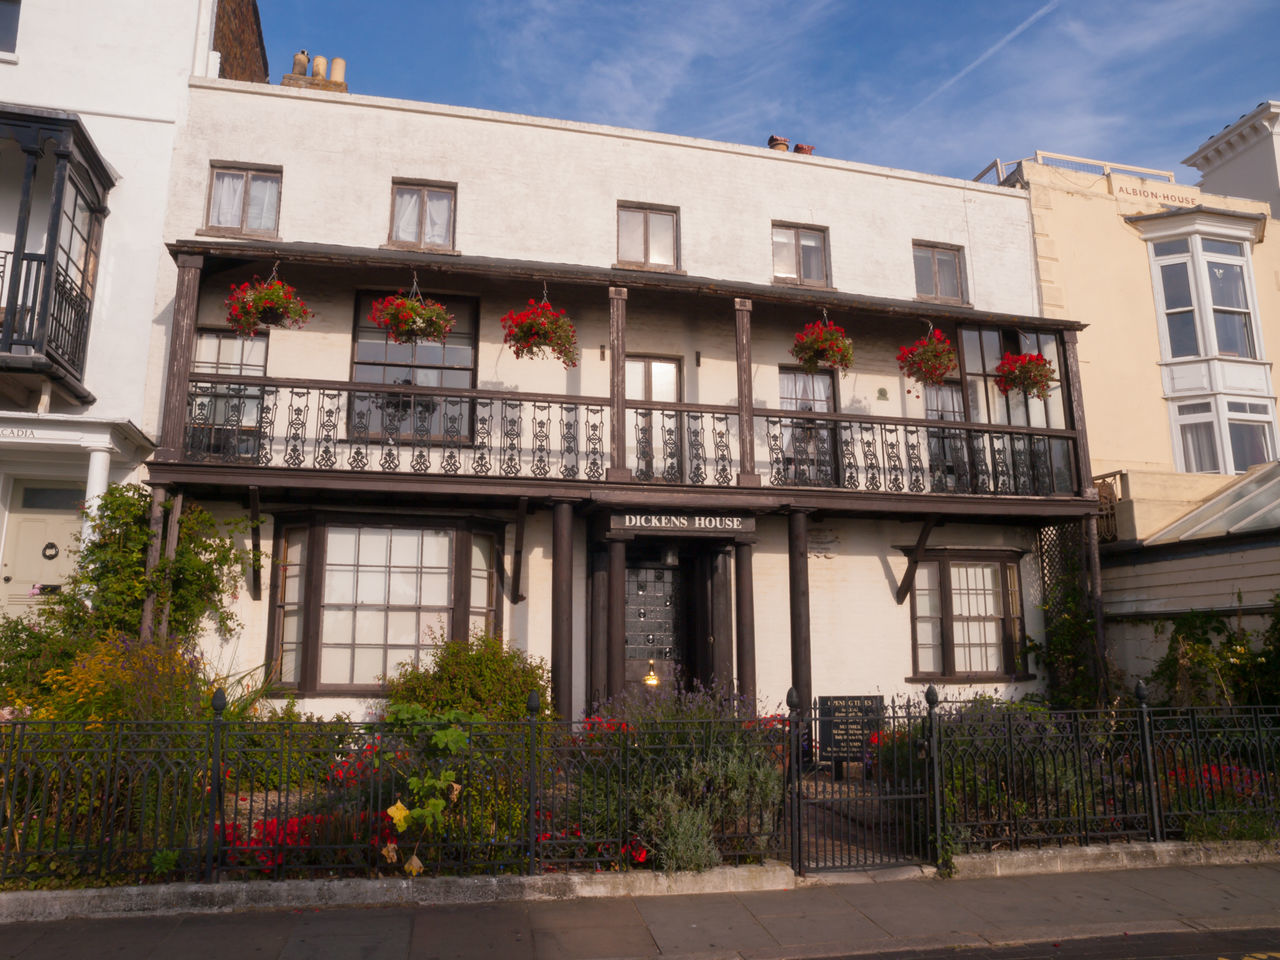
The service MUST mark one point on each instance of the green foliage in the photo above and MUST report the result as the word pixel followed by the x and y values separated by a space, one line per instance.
pixel 1075 678
pixel 479 675
pixel 1212 660
pixel 103 599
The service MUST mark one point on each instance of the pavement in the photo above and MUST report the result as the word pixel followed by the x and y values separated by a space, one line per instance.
pixel 830 916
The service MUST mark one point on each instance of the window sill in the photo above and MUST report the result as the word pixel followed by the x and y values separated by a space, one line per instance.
pixel 419 248
pixel 970 679
pixel 8 57
pixel 650 268
pixel 235 233
pixel 801 285
pixel 945 301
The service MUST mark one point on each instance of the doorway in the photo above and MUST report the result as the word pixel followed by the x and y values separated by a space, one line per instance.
pixel 40 542
pixel 678 613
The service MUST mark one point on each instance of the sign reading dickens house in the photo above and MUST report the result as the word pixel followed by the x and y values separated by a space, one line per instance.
pixel 681 523
pixel 850 722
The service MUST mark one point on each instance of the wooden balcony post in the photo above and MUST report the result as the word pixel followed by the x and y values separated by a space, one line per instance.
pixel 1072 363
pixel 9 316
pixel 798 571
pixel 182 335
pixel 747 476
pixel 744 597
pixel 562 607
pixel 618 470
pixel 44 300
pixel 617 641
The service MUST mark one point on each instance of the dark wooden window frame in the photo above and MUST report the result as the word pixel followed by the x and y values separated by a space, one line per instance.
pixel 315 523
pixel 225 166
pixel 245 437
pixel 647 208
pixel 423 186
pixel 961 272
pixel 1013 649
pixel 798 280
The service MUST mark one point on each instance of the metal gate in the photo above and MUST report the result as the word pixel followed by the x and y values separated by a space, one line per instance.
pixel 859 786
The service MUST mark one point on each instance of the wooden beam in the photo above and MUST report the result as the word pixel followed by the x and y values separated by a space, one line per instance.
pixel 618 469
pixel 744 598
pixel 747 476
pixel 517 550
pixel 617 617
pixel 562 607
pixel 460 622
pixel 798 578
pixel 913 561
pixel 1076 397
pixel 182 338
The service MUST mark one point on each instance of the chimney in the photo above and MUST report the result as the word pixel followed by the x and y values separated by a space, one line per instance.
pixel 321 77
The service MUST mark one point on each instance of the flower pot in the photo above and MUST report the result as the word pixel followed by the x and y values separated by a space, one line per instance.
pixel 779 143
pixel 271 318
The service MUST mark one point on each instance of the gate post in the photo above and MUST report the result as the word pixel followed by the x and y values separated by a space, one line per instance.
pixel 793 779
pixel 934 772
pixel 1146 750
pixel 215 784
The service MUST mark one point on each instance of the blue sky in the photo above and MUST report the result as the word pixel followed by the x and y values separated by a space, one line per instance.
pixel 941 87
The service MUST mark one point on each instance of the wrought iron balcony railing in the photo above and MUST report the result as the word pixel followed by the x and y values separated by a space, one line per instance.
pixel 332 426
pixel 58 330
pixel 910 456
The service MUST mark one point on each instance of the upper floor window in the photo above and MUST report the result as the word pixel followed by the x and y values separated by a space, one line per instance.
pixel 939 273
pixel 9 25
pixel 79 240
pixel 1203 291
pixel 244 201
pixel 647 237
pixel 1217 432
pixel 800 255
pixel 422 214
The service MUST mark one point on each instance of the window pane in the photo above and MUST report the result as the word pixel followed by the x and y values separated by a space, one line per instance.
pixel 1167 248
pixel 407 216
pixel 1220 246
pixel 813 263
pixel 1226 285
pixel 784 252
pixel 630 236
pixel 665 377
pixel 1248 444
pixel 439 218
pixel 436 548
pixel 1182 335
pixel 948 273
pixel 924 272
pixel 227 202
pixel 264 202
pixel 1199 448
pixel 335 664
pixel 9 25
pixel 662 239
pixel 1232 330
pixel 1177 286
pixel 635 386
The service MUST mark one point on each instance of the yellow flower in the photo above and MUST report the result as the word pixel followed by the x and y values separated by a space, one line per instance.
pixel 400 814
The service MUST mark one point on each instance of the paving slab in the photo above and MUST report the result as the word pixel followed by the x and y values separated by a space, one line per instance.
pixel 258 936
pixel 889 908
pixel 711 922
pixel 460 932
pixel 808 902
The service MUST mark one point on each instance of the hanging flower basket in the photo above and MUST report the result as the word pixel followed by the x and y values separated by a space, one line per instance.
pixel 1028 372
pixel 929 359
pixel 271 303
pixel 412 318
pixel 540 329
pixel 823 344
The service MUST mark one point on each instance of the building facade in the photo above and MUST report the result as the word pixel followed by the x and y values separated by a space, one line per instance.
pixel 92 98
pixel 686 500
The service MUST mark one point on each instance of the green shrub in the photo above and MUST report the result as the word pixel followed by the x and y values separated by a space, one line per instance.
pixel 478 675
pixel 1212 660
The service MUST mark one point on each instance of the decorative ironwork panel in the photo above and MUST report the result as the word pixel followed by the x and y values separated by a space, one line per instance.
pixel 870 456
pixel 915 463
pixel 724 453
pixel 893 458
pixel 849 456
pixel 643 470
pixel 595 443
pixel 569 441
pixel 697 451
pixel 670 446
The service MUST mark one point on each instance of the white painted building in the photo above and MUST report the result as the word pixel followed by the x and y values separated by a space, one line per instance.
pixel 91 96
pixel 685 496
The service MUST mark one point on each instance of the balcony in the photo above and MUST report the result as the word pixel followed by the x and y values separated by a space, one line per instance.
pixel 340 429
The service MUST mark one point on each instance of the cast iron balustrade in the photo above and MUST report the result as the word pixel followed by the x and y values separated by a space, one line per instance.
pixel 682 443
pixel 319 425
pixel 885 455
pixel 59 330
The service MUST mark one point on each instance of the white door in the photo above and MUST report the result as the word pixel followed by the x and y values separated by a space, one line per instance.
pixel 40 544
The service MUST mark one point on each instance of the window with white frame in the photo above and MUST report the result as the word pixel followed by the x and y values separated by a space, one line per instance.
pixel 422 214
pixel 9 10
pixel 1204 286
pixel 1224 434
pixel 244 200
pixel 647 237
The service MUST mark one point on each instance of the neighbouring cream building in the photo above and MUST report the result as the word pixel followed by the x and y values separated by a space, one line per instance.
pixel 686 497
pixel 91 96
pixel 1178 286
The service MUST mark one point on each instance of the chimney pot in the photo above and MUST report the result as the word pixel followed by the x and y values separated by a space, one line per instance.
pixel 778 143
pixel 338 70
pixel 320 67
pixel 803 148
pixel 300 61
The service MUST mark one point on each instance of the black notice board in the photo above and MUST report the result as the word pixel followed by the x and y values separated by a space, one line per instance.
pixel 845 725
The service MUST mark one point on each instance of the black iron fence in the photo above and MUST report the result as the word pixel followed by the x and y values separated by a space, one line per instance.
pixel 834 788
pixel 239 800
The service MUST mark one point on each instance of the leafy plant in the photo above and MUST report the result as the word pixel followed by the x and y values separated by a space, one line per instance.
pixel 408 319
pixel 539 329
pixel 822 343
pixel 929 360
pixel 1028 372
pixel 271 302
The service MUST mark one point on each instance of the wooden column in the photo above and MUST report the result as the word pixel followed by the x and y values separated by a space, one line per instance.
pixel 170 552
pixel 798 571
pixel 617 616
pixel 182 336
pixel 460 621
pixel 598 658
pixel 1083 467
pixel 618 470
pixel 562 607
pixel 1094 560
pixel 722 621
pixel 747 476
pixel 744 596
pixel 31 152
pixel 147 629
